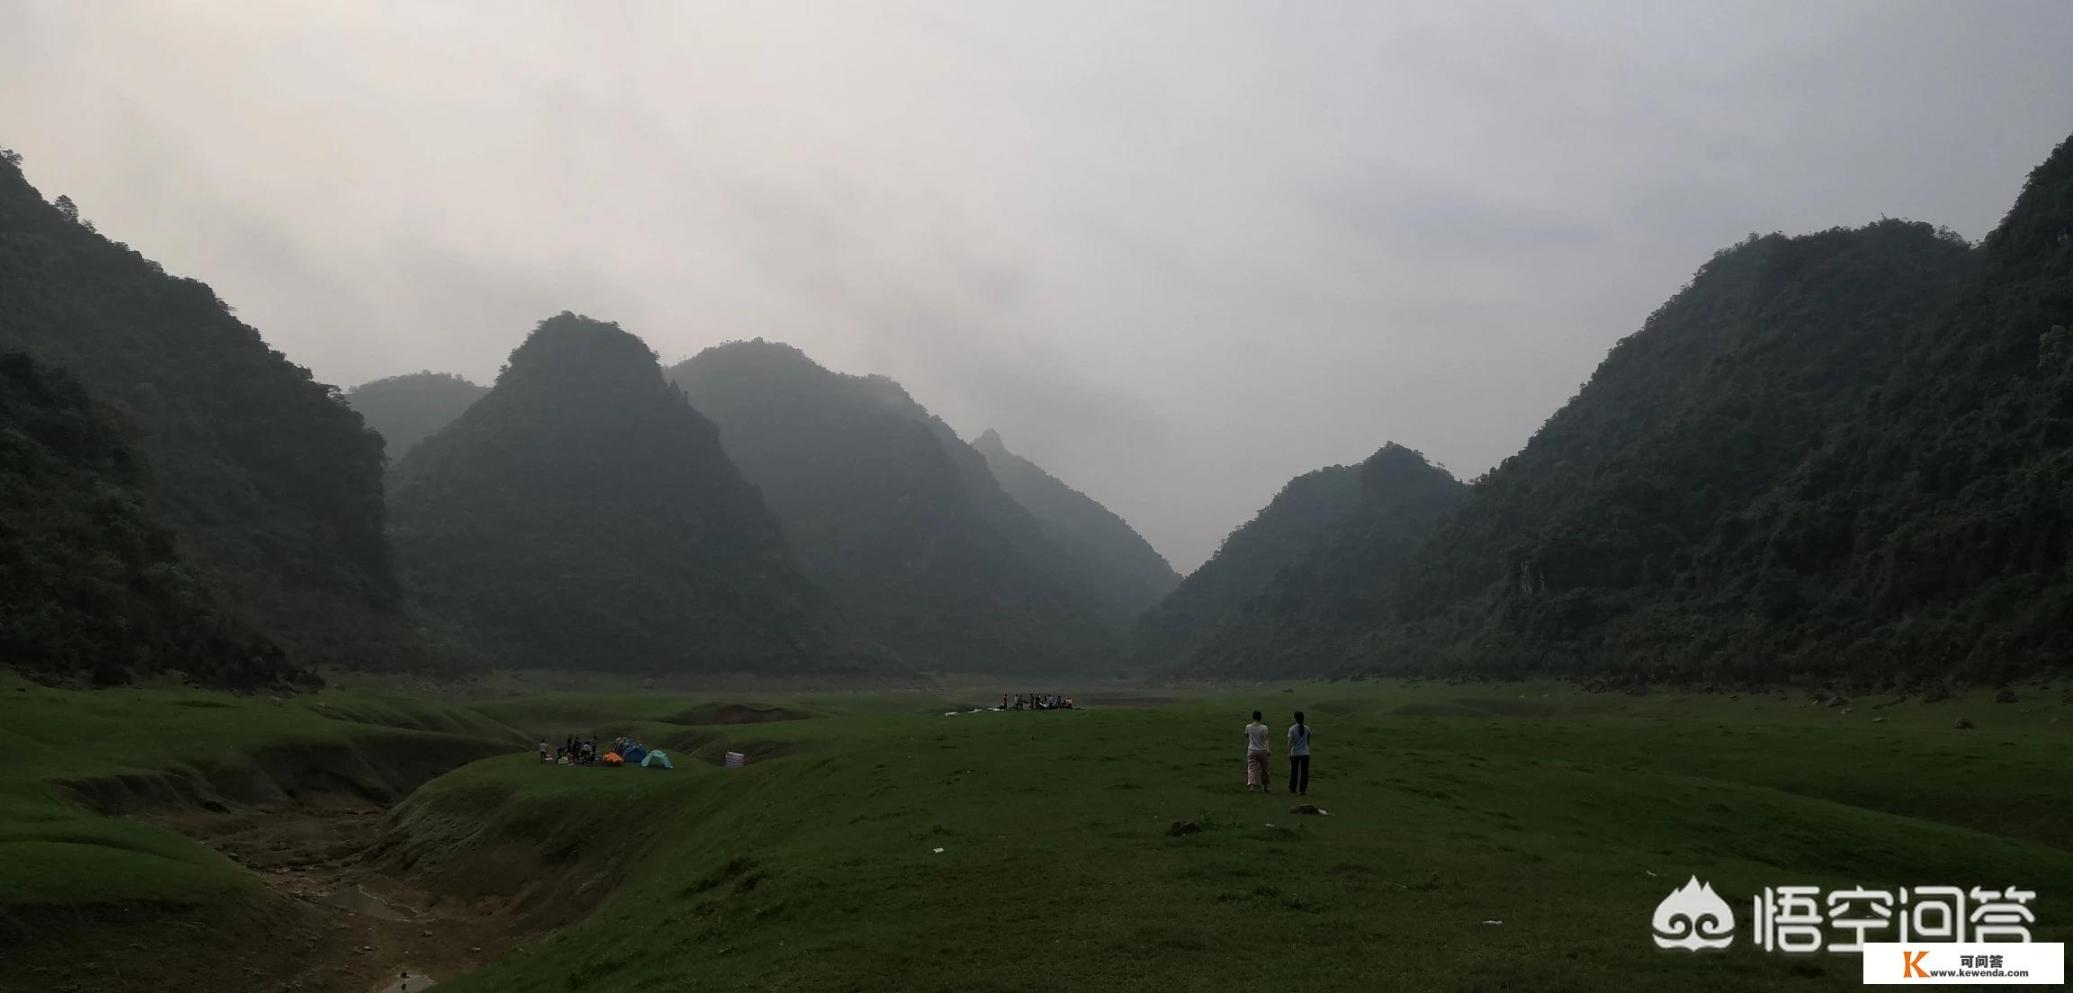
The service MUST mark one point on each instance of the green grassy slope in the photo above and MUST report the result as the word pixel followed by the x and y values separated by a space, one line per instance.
pixel 1565 815
pixel 1540 807
pixel 74 756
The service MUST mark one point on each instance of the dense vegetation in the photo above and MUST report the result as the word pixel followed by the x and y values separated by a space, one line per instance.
pixel 1931 532
pixel 1596 548
pixel 407 409
pixel 1122 569
pixel 90 584
pixel 270 485
pixel 1844 455
pixel 583 516
pixel 903 523
pixel 1300 569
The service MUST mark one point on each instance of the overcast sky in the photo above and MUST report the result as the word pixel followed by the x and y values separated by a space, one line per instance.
pixel 1176 253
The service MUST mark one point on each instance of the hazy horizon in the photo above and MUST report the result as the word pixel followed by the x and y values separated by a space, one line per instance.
pixel 1174 253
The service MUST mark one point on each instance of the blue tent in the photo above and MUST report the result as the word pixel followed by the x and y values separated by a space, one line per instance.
pixel 633 753
pixel 657 758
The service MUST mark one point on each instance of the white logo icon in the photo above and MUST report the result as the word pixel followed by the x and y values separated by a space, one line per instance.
pixel 1694 917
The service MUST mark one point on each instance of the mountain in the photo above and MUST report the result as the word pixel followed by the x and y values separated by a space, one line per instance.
pixel 90 584
pixel 1299 569
pixel 407 409
pixel 896 517
pixel 271 487
pixel 1121 568
pixel 583 516
pixel 1603 547
pixel 1931 532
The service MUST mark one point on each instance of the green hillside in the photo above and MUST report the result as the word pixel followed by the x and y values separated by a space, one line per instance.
pixel 270 485
pixel 1595 548
pixel 903 523
pixel 1930 533
pixel 90 584
pixel 583 516
pixel 1299 572
pixel 407 409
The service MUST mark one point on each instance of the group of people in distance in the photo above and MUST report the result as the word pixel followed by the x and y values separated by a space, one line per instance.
pixel 1035 701
pixel 584 751
pixel 572 751
pixel 1258 750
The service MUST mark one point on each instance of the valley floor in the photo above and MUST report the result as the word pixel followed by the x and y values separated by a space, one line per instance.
pixel 1512 836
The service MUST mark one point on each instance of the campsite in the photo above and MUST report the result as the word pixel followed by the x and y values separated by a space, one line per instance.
pixel 1476 833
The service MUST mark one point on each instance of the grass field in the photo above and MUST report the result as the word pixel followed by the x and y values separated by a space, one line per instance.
pixel 1565 815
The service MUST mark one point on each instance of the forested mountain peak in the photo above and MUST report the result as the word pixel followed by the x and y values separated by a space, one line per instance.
pixel 1321 544
pixel 583 515
pixel 899 518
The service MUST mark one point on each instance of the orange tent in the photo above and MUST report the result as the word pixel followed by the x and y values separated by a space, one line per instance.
pixel 612 758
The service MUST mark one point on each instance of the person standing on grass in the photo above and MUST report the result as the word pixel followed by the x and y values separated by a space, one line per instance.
pixel 1256 755
pixel 1299 757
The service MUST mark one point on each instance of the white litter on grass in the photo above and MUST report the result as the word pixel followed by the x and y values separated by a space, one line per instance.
pixel 1651 875
pixel 950 713
pixel 1493 922
pixel 939 851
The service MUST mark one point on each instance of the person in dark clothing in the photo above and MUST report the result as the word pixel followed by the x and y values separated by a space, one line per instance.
pixel 1299 756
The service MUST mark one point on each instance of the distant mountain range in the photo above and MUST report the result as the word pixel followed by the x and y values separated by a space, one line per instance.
pixel 907 525
pixel 1125 573
pixel 1839 456
pixel 407 409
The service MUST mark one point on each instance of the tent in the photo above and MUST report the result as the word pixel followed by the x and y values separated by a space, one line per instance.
pixel 633 753
pixel 657 758
pixel 614 758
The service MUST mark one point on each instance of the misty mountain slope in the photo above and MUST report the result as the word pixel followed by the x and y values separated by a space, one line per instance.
pixel 271 485
pixel 1121 568
pixel 1932 531
pixel 1250 555
pixel 1595 548
pixel 407 409
pixel 892 514
pixel 90 584
pixel 583 516
pixel 1302 572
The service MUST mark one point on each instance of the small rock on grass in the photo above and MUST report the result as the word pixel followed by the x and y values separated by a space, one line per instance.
pixel 1305 808
pixel 1181 828
pixel 1964 724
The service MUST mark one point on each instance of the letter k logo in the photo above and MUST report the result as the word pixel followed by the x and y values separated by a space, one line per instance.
pixel 1911 964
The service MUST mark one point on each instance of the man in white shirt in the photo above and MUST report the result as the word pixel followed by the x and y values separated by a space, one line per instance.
pixel 1256 755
